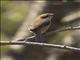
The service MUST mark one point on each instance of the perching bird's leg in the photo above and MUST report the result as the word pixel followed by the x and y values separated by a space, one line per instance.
pixel 39 38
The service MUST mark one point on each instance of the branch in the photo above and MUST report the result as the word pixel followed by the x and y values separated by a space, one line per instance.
pixel 40 44
pixel 33 42
pixel 64 29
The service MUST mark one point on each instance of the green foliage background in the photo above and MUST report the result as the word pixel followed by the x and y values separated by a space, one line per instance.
pixel 13 13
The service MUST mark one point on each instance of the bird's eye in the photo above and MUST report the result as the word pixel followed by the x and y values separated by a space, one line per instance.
pixel 45 16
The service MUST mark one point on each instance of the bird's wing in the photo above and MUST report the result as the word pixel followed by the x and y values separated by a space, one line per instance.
pixel 37 23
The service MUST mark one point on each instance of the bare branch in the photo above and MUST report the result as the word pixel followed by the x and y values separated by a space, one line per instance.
pixel 40 44
pixel 24 41
pixel 64 29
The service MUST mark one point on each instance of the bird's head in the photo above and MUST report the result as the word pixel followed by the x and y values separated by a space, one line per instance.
pixel 41 22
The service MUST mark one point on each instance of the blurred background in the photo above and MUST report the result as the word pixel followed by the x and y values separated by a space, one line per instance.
pixel 16 17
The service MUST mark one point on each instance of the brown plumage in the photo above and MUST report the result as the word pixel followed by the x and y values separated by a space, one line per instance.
pixel 41 24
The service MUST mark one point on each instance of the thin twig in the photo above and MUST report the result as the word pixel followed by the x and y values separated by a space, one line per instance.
pixel 68 28
pixel 32 38
pixel 64 29
pixel 52 32
pixel 40 44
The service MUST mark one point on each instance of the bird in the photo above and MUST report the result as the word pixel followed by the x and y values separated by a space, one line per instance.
pixel 41 25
